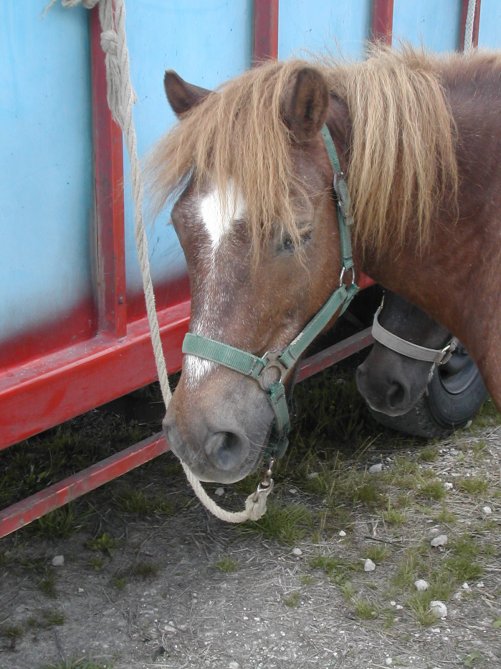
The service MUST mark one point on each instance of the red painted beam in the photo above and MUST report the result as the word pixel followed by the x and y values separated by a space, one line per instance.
pixel 382 21
pixel 265 40
pixel 47 391
pixel 109 244
pixel 462 25
pixel 57 495
pixel 333 354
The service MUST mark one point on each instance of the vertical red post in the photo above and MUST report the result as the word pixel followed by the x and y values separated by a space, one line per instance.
pixel 382 21
pixel 476 24
pixel 265 40
pixel 110 288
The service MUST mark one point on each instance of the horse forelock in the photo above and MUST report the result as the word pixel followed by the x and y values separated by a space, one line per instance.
pixel 402 162
pixel 237 147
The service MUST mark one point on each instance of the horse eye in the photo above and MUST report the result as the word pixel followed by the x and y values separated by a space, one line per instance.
pixel 287 243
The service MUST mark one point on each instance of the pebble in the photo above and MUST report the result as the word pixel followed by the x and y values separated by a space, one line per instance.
pixel 448 485
pixel 441 540
pixel 58 560
pixel 375 469
pixel 438 608
pixel 313 475
pixel 465 586
pixel 297 551
pixel 421 584
pixel 80 590
pixel 486 510
pixel 369 565
pixel 219 492
pixel 388 661
pixel 293 491
pixel 233 665
pixel 342 533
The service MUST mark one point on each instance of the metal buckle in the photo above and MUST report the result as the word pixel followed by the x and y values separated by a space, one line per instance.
pixel 273 362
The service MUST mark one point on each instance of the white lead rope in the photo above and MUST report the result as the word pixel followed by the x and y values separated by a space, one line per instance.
pixel 468 26
pixel 121 99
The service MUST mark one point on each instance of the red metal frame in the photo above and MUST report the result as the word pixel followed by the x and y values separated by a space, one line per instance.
pixel 382 21
pixel 462 25
pixel 265 38
pixel 49 389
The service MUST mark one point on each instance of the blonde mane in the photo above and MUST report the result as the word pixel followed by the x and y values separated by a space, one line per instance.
pixel 402 155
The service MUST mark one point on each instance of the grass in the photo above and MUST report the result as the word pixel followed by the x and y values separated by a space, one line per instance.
pixel 472 485
pixel 292 600
pixel 286 524
pixel 227 565
pixel 138 571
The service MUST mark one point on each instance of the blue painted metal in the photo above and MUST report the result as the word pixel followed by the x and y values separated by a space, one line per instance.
pixel 45 162
pixel 489 35
pixel 435 25
pixel 207 43
pixel 338 28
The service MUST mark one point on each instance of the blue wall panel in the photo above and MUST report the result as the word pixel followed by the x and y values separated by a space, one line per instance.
pixel 433 24
pixel 336 28
pixel 206 42
pixel 490 24
pixel 45 163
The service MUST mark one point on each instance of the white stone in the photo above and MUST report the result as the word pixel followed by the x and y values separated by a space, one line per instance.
pixel 421 584
pixel 297 551
pixel 393 603
pixel 219 492
pixel 369 565
pixel 58 560
pixel 448 485
pixel 342 533
pixel 375 469
pixel 480 584
pixel 388 661
pixel 486 510
pixel 441 540
pixel 438 608
pixel 233 665
pixel 465 586
pixel 293 491
pixel 313 475
pixel 399 607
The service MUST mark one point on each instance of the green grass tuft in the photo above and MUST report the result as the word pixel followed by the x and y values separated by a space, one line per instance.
pixel 472 485
pixel 227 565
pixel 292 600
pixel 286 524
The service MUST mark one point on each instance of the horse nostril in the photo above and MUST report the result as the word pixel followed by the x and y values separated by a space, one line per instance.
pixel 225 450
pixel 397 395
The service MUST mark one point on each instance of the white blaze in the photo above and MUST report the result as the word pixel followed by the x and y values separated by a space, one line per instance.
pixel 218 213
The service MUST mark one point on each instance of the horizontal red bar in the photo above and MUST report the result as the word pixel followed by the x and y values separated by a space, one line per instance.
pixel 33 507
pixel 47 391
pixel 335 353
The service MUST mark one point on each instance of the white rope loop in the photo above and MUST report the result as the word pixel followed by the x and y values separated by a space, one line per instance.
pixel 121 99
pixel 468 26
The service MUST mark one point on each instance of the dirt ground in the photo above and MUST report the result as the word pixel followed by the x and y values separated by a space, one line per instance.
pixel 181 590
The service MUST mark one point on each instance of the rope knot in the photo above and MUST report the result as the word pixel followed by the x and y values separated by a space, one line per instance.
pixel 109 42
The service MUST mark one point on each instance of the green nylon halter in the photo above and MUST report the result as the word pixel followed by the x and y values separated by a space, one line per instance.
pixel 270 369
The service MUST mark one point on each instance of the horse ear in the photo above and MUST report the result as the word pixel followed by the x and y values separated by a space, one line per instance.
pixel 305 101
pixel 181 95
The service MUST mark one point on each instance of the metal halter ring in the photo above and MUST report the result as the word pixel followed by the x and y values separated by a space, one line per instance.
pixel 344 271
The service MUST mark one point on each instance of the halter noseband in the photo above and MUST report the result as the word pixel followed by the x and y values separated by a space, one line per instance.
pixel 270 369
pixel 437 356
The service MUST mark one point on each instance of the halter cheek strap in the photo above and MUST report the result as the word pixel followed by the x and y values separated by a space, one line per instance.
pixel 406 348
pixel 270 370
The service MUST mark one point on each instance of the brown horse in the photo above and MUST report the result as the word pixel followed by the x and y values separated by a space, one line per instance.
pixel 419 138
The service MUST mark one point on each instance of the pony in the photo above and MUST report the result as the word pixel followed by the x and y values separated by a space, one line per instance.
pixel 418 138
pixel 417 378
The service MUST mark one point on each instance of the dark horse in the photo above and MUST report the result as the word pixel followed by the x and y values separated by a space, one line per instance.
pixel 417 378
pixel 392 382
pixel 419 138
